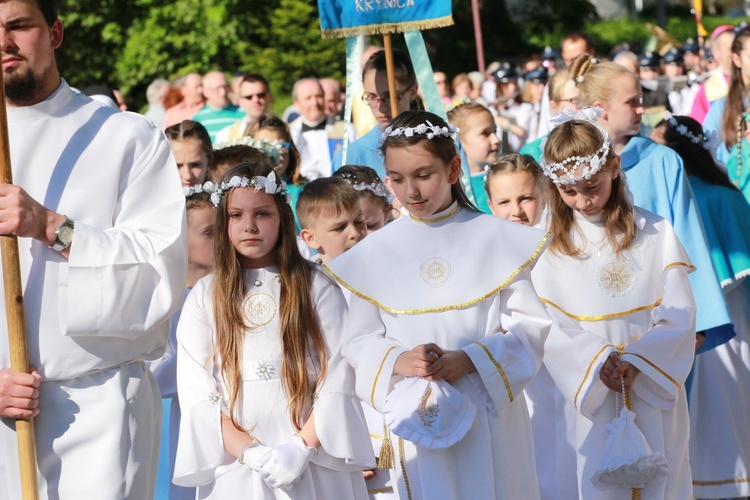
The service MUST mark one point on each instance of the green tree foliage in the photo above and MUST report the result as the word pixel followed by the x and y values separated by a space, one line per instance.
pixel 95 32
pixel 183 36
pixel 292 47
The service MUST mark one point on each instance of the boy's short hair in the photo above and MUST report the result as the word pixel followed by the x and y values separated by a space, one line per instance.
pixel 326 195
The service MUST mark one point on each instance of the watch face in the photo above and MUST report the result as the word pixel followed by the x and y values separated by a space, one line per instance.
pixel 65 234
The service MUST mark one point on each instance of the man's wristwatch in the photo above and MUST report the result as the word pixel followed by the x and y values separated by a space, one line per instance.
pixel 64 235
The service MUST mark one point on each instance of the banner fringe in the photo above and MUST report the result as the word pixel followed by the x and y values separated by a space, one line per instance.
pixel 389 28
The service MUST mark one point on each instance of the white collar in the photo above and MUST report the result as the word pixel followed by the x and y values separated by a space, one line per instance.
pixel 436 217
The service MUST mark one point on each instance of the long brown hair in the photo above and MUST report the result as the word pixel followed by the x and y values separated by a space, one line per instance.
pixel 734 105
pixel 580 138
pixel 301 335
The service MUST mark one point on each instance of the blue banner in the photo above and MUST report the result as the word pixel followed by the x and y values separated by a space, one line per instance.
pixel 345 18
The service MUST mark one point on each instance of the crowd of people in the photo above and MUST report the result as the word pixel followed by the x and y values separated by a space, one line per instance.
pixel 329 311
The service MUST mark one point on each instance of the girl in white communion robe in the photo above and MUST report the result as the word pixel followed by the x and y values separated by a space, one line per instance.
pixel 268 404
pixel 444 328
pixel 615 282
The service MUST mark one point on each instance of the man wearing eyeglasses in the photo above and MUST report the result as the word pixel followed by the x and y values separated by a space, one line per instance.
pixel 255 100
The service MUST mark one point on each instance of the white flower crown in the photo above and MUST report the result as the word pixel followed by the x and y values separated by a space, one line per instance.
pixel 709 140
pixel 426 128
pixel 266 184
pixel 377 188
pixel 583 167
pixel 208 187
pixel 271 149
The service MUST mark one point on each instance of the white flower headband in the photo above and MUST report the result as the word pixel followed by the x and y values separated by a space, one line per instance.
pixel 377 188
pixel 709 140
pixel 209 187
pixel 271 149
pixel 577 168
pixel 426 128
pixel 266 184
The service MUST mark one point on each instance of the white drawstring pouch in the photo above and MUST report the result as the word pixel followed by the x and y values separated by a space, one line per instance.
pixel 628 461
pixel 432 414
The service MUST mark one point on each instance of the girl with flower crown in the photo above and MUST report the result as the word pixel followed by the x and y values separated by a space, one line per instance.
pixel 442 346
pixel 373 195
pixel 719 414
pixel 267 401
pixel 657 179
pixel 615 281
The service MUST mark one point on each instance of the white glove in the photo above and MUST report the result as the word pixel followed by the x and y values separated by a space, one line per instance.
pixel 254 455
pixel 285 464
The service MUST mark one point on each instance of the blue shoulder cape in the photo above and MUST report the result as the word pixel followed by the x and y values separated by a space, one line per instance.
pixel 657 179
pixel 726 218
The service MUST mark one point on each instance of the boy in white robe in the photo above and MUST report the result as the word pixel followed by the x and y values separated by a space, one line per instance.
pixel 332 223
pixel 100 282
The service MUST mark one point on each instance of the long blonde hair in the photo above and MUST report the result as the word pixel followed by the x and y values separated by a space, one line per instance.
pixel 580 138
pixel 300 331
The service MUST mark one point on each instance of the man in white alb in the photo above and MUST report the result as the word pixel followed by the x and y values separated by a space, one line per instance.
pixel 99 215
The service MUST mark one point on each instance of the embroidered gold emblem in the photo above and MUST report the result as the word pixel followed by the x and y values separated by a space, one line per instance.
pixel 428 409
pixel 435 271
pixel 260 309
pixel 616 277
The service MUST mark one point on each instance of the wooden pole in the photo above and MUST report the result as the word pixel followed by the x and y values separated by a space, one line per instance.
pixel 391 75
pixel 19 359
pixel 478 35
pixel 702 33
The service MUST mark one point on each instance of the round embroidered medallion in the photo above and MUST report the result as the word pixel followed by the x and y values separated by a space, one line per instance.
pixel 435 271
pixel 260 308
pixel 616 278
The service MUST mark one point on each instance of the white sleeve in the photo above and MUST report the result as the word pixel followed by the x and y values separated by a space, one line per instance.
pixel 339 420
pixel 574 356
pixel 126 279
pixel 370 353
pixel 200 449
pixel 507 360
pixel 664 354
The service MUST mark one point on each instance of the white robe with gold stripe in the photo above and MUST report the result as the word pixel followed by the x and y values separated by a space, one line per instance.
pixel 640 304
pixel 460 280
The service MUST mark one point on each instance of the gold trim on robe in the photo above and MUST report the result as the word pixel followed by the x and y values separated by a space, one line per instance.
pixel 603 316
pixel 402 460
pixel 721 482
pixel 463 305
pixel 665 374
pixel 586 375
pixel 377 376
pixel 436 219
pixel 499 369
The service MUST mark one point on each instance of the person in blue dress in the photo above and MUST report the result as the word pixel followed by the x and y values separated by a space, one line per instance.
pixel 719 408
